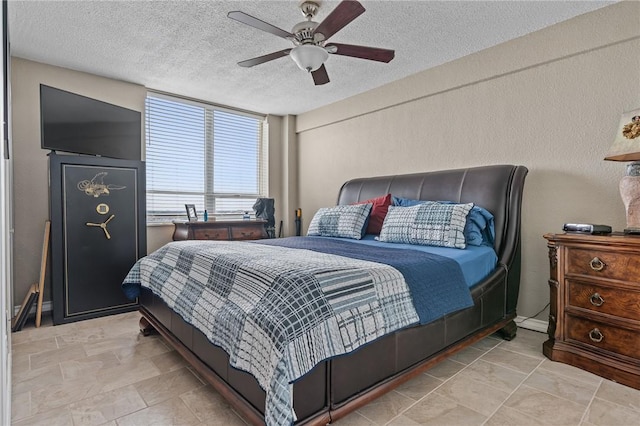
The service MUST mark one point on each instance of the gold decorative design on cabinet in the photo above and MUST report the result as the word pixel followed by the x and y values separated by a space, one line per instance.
pixel 96 186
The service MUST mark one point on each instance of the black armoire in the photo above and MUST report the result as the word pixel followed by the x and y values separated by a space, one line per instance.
pixel 98 231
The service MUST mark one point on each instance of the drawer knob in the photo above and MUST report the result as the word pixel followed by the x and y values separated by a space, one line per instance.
pixel 596 299
pixel 596 336
pixel 596 264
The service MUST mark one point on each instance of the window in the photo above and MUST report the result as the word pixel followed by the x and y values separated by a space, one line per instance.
pixel 205 155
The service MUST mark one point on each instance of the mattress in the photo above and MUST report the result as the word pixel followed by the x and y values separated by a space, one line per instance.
pixel 476 262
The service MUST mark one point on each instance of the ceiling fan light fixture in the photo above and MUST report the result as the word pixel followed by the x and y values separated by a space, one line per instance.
pixel 309 57
pixel 309 37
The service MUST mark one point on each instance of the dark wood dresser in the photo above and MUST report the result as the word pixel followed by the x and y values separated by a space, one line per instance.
pixel 220 230
pixel 594 318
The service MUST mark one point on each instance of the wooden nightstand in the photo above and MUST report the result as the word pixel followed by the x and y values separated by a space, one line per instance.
pixel 220 230
pixel 594 319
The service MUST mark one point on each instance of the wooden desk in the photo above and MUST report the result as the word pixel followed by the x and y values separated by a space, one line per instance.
pixel 220 230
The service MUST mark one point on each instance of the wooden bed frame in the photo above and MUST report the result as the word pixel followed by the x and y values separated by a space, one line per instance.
pixel 338 386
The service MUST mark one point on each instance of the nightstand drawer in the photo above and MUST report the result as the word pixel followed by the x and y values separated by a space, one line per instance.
pixel 609 300
pixel 211 234
pixel 616 340
pixel 602 263
pixel 247 232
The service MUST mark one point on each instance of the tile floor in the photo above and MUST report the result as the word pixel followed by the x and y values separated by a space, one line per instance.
pixel 103 371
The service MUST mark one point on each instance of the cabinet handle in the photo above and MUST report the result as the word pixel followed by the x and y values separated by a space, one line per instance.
pixel 596 299
pixel 596 336
pixel 596 264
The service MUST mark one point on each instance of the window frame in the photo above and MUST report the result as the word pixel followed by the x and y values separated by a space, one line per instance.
pixel 209 196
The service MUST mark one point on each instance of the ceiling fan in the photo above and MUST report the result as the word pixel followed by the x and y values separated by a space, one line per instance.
pixel 310 39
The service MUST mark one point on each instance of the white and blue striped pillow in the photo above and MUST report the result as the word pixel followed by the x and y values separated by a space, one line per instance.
pixel 340 221
pixel 429 224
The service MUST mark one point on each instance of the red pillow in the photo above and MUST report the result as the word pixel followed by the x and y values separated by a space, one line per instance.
pixel 378 212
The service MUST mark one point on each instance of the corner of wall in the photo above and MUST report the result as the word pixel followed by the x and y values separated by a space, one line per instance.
pixel 290 177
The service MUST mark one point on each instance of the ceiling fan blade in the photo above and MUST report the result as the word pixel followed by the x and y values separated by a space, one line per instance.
pixel 320 76
pixel 339 17
pixel 363 52
pixel 257 23
pixel 265 58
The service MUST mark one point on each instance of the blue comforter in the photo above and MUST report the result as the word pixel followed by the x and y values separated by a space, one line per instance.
pixel 436 283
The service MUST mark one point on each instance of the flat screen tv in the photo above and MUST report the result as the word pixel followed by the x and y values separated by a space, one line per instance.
pixel 75 123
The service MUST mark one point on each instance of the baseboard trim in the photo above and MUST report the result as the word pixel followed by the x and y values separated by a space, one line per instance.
pixel 46 307
pixel 522 322
pixel 532 324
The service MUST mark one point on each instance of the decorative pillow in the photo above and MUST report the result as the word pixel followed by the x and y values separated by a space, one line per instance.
pixel 340 221
pixel 429 224
pixel 378 212
pixel 479 229
pixel 405 202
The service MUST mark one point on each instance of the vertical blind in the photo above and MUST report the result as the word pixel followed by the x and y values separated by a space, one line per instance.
pixel 204 155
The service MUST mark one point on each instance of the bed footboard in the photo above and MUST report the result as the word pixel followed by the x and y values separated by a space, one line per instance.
pixel 311 398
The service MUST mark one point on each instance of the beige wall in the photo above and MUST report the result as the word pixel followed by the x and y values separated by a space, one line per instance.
pixel 30 178
pixel 551 101
pixel 289 182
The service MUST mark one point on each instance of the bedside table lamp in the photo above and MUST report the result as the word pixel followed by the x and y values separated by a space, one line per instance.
pixel 626 147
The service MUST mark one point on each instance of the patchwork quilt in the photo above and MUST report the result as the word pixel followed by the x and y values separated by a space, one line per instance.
pixel 436 283
pixel 276 311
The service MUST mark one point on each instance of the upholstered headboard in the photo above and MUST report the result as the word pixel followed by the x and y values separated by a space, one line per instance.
pixel 497 188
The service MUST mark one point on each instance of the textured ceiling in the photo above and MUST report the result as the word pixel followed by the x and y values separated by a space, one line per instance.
pixel 191 48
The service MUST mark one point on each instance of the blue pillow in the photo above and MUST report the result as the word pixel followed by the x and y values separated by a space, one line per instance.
pixel 479 229
pixel 405 202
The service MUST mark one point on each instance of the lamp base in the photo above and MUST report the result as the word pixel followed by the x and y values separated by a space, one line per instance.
pixel 630 193
pixel 632 231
